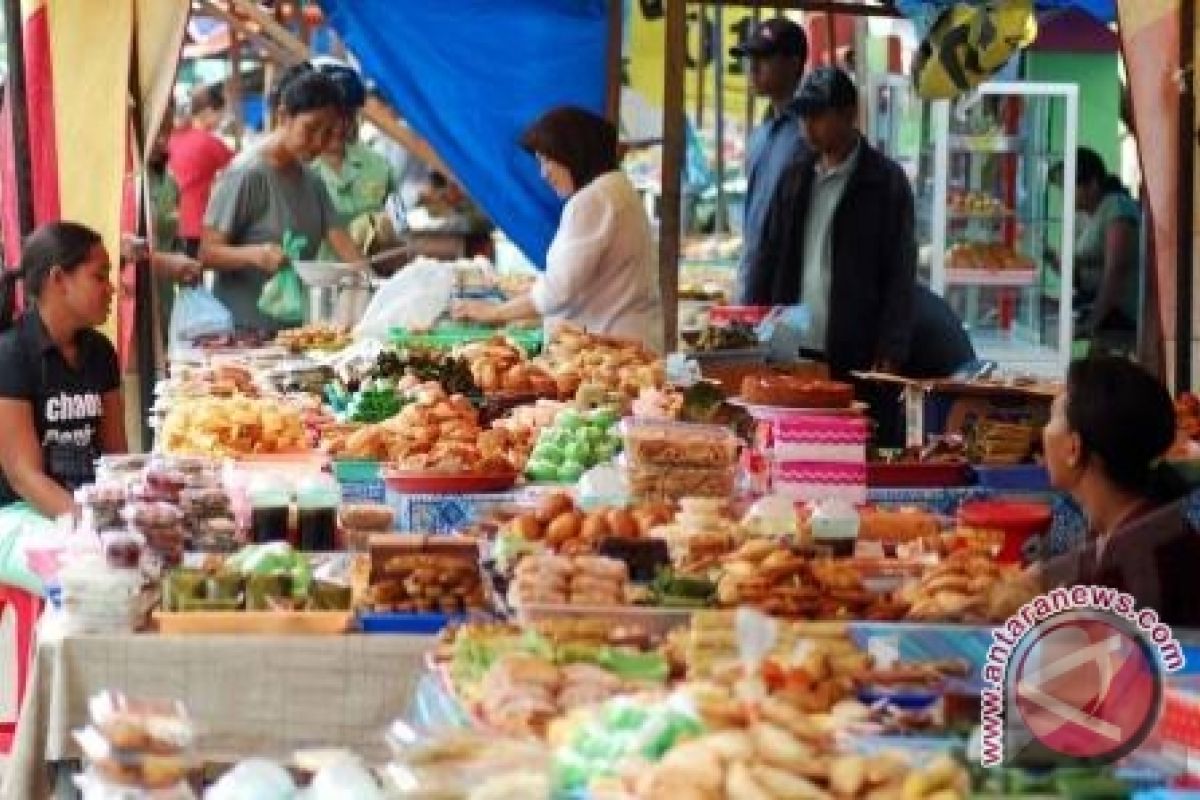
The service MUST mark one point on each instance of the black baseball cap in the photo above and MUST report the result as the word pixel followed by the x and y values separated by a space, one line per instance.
pixel 825 89
pixel 774 37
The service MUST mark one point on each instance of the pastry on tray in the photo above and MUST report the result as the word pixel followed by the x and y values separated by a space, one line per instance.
pixel 792 391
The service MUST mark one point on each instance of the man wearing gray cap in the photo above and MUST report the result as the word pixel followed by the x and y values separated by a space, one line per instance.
pixel 839 237
pixel 775 56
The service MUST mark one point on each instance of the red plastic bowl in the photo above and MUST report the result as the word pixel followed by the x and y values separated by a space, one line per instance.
pixel 727 315
pixel 1020 520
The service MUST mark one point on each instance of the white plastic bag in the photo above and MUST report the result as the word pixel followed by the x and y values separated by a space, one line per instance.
pixel 414 298
pixel 197 313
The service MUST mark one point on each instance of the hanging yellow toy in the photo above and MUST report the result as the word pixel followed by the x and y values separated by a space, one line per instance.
pixel 968 43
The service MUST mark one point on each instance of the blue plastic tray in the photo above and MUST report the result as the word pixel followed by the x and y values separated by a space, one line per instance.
pixel 412 624
pixel 1020 477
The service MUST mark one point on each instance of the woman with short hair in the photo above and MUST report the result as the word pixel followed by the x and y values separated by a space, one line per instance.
pixel 600 268
pixel 274 195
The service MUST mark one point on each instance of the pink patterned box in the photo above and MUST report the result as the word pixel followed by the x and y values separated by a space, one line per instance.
pixel 820 480
pixel 820 438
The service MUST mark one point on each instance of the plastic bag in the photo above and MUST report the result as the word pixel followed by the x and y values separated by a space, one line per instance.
pixel 197 313
pixel 283 297
pixel 415 298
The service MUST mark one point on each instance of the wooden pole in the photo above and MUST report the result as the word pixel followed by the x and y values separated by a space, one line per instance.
pixel 702 66
pixel 672 165
pixel 613 57
pixel 719 223
pixel 17 99
pixel 233 88
pixel 1187 176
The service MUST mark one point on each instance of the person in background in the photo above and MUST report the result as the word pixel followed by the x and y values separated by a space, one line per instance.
pixel 600 268
pixel 358 179
pixel 776 54
pixel 1106 255
pixel 196 157
pixel 1103 445
pixel 171 264
pixel 839 238
pixel 940 346
pixel 274 197
pixel 60 384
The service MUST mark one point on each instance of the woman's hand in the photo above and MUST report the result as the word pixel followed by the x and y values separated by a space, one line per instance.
pixel 473 311
pixel 269 257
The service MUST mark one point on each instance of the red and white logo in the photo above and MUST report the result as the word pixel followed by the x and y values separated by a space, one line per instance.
pixel 1087 686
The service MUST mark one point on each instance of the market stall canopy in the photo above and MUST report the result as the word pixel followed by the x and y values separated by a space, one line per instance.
pixel 470 75
pixel 918 10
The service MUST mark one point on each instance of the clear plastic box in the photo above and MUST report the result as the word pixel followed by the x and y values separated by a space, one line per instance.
pixel 678 444
pixel 667 484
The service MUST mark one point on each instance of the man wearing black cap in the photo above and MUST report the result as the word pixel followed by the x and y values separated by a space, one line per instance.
pixel 839 237
pixel 775 55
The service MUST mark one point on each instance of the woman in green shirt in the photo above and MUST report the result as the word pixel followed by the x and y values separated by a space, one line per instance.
pixel 1107 264
pixel 359 180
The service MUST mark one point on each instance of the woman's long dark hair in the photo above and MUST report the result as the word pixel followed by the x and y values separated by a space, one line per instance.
pixel 1124 417
pixel 583 142
pixel 65 245
pixel 1090 167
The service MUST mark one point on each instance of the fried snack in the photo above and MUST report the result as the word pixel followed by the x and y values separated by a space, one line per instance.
pixel 230 427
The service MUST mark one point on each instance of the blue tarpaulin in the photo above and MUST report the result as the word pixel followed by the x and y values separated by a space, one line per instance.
pixel 470 75
pixel 923 11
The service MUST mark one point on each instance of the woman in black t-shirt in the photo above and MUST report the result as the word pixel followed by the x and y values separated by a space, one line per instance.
pixel 60 398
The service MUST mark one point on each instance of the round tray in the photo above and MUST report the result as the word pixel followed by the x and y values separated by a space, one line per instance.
pixel 449 483
pixel 855 409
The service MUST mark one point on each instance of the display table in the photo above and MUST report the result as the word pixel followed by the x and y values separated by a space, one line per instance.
pixel 250 695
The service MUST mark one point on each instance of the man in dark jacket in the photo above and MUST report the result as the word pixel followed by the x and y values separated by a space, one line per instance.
pixel 839 237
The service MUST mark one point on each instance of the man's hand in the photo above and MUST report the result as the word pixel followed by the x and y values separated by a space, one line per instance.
pixel 180 268
pixel 269 257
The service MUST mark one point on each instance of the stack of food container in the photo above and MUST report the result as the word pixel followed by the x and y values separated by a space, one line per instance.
pixel 816 457
pixel 668 461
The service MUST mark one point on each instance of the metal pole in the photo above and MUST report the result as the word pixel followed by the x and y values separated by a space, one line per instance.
pixel 1186 189
pixel 719 223
pixel 751 117
pixel 672 165
pixel 16 97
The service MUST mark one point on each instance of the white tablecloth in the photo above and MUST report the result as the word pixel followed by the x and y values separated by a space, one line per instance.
pixel 250 695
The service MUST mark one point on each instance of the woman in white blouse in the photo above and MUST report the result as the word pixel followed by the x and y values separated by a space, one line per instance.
pixel 600 269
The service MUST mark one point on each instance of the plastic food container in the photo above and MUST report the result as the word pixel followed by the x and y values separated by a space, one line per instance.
pixel 103 501
pixel 122 549
pixel 677 444
pixel 747 315
pixel 662 484
pixel 317 500
pixel 121 467
pixel 375 517
pixel 270 503
pixel 1022 522
pixel 126 723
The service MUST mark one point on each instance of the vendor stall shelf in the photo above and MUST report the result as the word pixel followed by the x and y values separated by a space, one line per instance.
pixel 1003 224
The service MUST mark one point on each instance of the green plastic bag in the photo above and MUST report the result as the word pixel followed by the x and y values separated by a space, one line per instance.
pixel 283 297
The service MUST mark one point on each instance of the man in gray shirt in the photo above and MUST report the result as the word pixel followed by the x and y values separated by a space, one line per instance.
pixel 776 54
